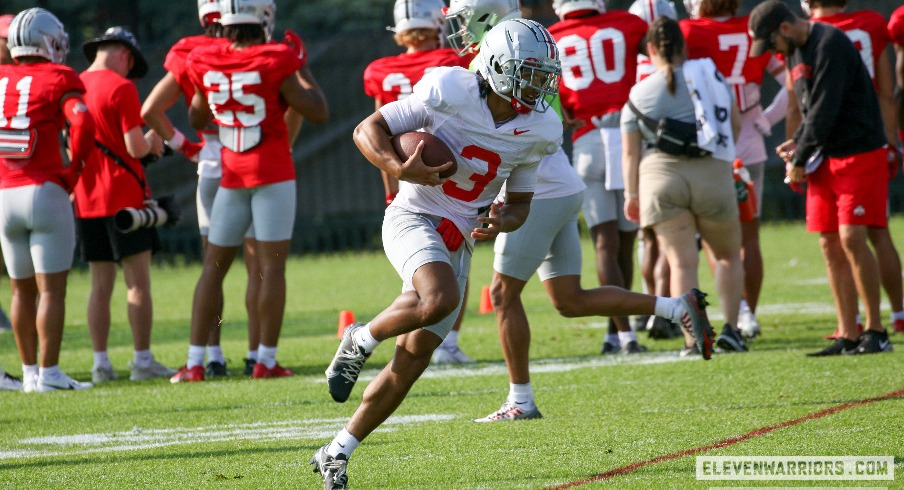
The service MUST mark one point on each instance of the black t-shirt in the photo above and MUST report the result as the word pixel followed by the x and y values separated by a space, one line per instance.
pixel 838 103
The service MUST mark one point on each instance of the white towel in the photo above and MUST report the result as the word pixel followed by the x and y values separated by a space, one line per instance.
pixel 712 107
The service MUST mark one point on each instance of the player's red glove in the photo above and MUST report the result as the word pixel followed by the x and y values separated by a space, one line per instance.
pixel 188 148
pixel 390 197
pixel 451 236
pixel 894 161
pixel 294 41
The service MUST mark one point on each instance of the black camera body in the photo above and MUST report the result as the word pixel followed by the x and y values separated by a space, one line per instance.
pixel 163 211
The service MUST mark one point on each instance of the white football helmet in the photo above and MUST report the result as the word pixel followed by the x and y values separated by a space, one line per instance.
pixel 521 54
pixel 37 32
pixel 261 12
pixel 563 7
pixel 418 14
pixel 471 20
pixel 805 6
pixel 693 8
pixel 209 11
pixel 650 10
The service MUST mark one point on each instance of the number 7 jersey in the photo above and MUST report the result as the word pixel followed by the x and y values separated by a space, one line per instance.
pixel 243 90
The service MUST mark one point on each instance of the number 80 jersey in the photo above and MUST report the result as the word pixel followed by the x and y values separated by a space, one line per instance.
pixel 242 88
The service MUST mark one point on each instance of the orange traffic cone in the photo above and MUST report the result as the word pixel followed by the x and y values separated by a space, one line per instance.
pixel 486 306
pixel 346 318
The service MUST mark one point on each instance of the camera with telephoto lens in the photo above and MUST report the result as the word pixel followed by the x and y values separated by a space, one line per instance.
pixel 163 211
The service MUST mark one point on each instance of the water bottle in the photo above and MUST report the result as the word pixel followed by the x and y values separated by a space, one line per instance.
pixel 745 191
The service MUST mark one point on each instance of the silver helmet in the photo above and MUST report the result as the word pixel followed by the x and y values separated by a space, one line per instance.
pixel 37 32
pixel 471 20
pixel 235 12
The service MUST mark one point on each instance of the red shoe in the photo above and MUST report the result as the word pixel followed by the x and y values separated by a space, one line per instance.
pixel 837 333
pixel 261 371
pixel 899 326
pixel 186 375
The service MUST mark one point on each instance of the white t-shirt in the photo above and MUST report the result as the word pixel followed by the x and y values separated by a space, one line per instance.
pixel 446 103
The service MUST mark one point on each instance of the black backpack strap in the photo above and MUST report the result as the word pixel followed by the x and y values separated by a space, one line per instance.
pixel 648 121
pixel 119 161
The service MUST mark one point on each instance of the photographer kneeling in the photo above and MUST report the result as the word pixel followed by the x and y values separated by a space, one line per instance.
pixel 117 181
pixel 684 186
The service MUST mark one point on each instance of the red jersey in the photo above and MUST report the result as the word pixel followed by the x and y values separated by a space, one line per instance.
pixel 866 29
pixel 599 63
pixel 896 26
pixel 242 88
pixel 391 78
pixel 727 42
pixel 176 61
pixel 31 121
pixel 105 186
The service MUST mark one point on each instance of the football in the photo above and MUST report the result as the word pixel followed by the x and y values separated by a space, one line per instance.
pixel 435 151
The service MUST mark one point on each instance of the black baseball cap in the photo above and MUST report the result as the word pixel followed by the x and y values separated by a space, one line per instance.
pixel 764 20
pixel 123 36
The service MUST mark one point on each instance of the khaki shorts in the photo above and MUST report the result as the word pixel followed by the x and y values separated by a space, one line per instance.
pixel 670 185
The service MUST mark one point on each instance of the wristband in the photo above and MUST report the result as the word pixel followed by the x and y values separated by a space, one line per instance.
pixel 176 141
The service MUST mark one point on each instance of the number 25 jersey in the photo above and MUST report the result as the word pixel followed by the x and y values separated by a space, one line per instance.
pixel 242 88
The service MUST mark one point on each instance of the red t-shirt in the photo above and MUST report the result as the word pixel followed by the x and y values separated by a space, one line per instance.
pixel 242 87
pixel 727 42
pixel 599 63
pixel 896 26
pixel 391 78
pixel 32 118
pixel 867 30
pixel 106 187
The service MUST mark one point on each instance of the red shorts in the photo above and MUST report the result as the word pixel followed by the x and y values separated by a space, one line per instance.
pixel 851 190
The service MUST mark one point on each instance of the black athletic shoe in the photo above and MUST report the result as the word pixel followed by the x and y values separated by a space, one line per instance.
pixel 840 346
pixel 731 340
pixel 873 342
pixel 342 374
pixel 660 328
pixel 640 323
pixel 632 348
pixel 609 348
pixel 249 366
pixel 216 370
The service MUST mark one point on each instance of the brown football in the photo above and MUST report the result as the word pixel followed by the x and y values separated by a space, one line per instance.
pixel 435 151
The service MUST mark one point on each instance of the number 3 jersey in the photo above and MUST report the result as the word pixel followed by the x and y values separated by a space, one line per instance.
pixel 599 63
pixel 392 78
pixel 31 121
pixel 866 29
pixel 242 87
pixel 446 103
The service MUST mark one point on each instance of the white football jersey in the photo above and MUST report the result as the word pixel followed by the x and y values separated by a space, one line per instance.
pixel 446 103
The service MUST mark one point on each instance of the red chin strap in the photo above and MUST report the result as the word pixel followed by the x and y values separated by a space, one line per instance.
pixel 519 107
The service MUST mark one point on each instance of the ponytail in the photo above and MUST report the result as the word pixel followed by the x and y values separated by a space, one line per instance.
pixel 665 35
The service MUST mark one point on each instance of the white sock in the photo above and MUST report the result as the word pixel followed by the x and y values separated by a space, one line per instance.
pixel 29 370
pixel 344 443
pixel 666 308
pixel 744 305
pixel 195 356
pixel 215 354
pixel 612 338
pixel 266 355
pixel 521 393
pixel 252 354
pixel 52 372
pixel 143 358
pixel 365 339
pixel 625 337
pixel 897 315
pixel 101 359
pixel 451 340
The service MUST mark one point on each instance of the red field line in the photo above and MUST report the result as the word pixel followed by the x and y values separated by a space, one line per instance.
pixel 727 442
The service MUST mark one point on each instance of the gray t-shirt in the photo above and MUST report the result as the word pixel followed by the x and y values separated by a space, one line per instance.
pixel 652 98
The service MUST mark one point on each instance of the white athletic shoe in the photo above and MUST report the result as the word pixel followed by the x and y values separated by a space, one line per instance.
pixel 10 383
pixel 513 411
pixel 151 371
pixel 62 382
pixel 450 355
pixel 29 383
pixel 747 323
pixel 102 374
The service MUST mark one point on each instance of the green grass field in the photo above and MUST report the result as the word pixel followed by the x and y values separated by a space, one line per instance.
pixel 600 413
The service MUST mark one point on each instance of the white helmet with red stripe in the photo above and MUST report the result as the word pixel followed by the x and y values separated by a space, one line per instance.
pixel 209 12
pixel 564 7
pixel 520 60
pixel 693 8
pixel 650 10
pixel 237 12
pixel 418 14
pixel 471 20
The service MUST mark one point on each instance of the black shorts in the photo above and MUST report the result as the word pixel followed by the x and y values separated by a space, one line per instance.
pixel 100 241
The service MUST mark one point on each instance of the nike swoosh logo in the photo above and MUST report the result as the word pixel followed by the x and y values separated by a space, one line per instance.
pixel 884 344
pixel 520 132
pixel 340 444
